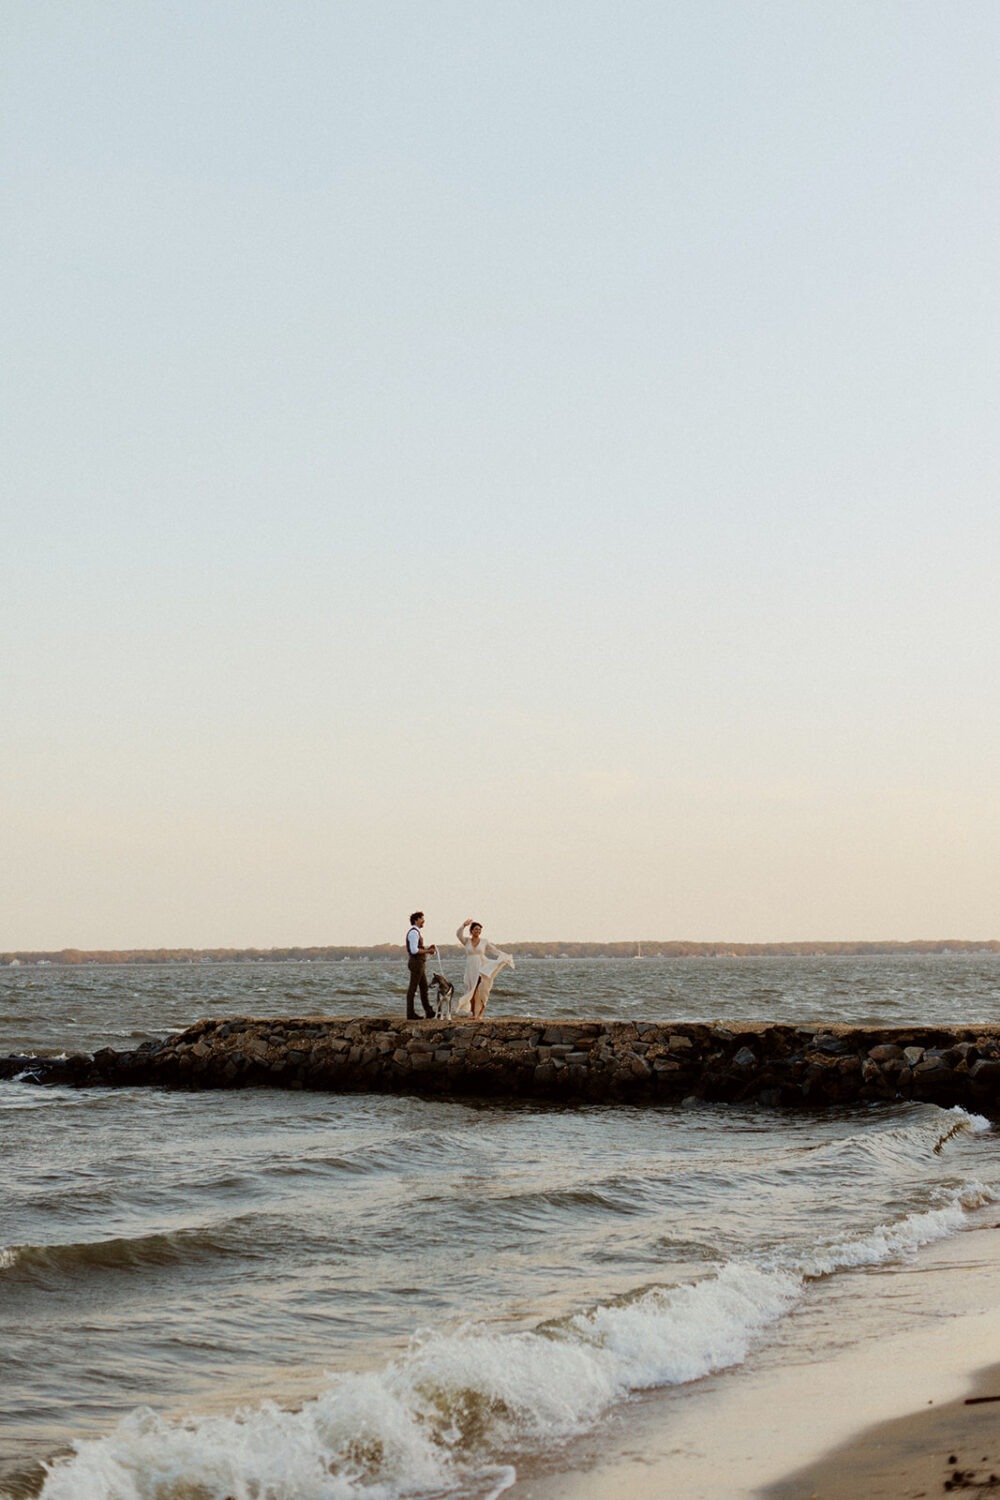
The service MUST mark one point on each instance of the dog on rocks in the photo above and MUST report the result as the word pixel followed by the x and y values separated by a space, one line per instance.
pixel 445 996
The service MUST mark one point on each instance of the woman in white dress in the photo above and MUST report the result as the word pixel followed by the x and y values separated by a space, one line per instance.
pixel 483 963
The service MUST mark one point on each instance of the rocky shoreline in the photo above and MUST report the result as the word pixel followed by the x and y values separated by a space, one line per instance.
pixel 777 1066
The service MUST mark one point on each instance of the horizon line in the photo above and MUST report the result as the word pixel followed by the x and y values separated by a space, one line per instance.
pixel 620 946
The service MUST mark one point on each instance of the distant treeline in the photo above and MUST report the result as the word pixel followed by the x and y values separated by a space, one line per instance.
pixel 644 949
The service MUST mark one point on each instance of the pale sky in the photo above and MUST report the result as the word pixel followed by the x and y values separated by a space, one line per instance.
pixel 522 459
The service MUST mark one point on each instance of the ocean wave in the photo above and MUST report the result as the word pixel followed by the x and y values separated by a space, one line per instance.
pixel 901 1140
pixel 455 1410
pixel 609 1198
pixel 907 1235
pixel 672 1336
pixel 12 1098
pixel 962 1121
pixel 449 1412
pixel 44 1262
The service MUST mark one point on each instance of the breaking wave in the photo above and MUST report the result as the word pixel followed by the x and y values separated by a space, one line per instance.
pixel 456 1409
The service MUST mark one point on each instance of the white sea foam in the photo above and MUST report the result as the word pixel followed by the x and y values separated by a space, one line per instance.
pixel 891 1240
pixel 668 1337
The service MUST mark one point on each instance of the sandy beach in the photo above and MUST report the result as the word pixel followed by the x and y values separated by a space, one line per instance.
pixel 824 1413
pixel 942 1449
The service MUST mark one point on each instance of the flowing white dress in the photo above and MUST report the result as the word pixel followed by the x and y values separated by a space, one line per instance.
pixel 482 965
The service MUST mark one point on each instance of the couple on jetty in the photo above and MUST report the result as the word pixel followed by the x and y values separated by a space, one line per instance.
pixel 483 963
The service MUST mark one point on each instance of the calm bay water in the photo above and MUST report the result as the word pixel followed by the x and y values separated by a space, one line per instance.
pixel 273 1295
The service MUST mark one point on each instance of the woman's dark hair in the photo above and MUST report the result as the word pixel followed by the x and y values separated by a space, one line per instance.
pixel 476 924
pixel 414 915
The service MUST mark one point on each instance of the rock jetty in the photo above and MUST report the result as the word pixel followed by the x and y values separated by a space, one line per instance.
pixel 625 1061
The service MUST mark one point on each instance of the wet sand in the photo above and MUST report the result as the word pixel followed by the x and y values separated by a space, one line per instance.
pixel 862 1395
pixel 949 1449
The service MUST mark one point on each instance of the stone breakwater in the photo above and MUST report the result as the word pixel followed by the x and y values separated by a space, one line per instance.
pixel 634 1062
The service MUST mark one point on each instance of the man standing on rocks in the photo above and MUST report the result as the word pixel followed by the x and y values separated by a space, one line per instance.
pixel 416 961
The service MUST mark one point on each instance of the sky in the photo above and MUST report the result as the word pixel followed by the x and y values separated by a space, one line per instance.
pixel 529 460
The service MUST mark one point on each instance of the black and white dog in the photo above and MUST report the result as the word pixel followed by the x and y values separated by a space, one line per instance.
pixel 445 995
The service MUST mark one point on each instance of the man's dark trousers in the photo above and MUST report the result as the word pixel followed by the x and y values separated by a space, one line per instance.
pixel 417 963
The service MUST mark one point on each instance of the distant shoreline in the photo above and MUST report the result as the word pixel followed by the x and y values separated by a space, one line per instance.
pixel 626 950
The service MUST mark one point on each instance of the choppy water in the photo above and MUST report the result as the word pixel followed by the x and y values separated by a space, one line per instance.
pixel 282 1296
